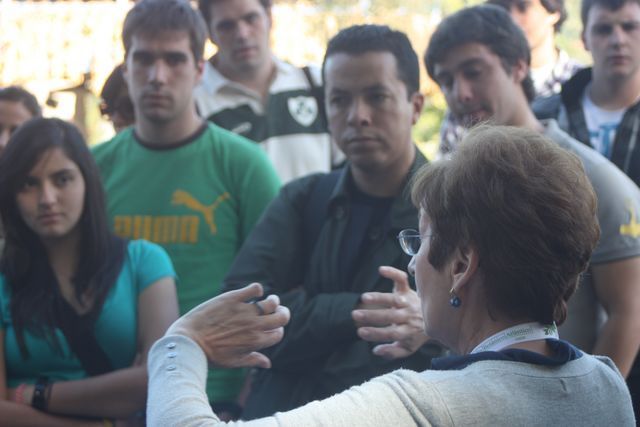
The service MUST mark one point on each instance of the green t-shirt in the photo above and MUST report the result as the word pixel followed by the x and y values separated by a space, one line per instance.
pixel 116 329
pixel 198 199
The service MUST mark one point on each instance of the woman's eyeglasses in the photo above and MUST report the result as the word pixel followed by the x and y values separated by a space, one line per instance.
pixel 410 241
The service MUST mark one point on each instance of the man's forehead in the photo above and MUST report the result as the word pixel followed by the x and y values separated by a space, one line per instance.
pixel 233 9
pixel 464 55
pixel 161 41
pixel 382 62
pixel 372 71
pixel 629 11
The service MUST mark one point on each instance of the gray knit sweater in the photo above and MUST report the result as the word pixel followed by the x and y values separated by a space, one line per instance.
pixel 587 391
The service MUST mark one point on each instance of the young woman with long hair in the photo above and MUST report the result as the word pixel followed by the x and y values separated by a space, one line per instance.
pixel 79 307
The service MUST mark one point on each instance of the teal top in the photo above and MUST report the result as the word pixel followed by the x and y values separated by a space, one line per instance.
pixel 116 327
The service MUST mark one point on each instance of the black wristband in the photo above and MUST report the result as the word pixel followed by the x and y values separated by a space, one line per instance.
pixel 40 398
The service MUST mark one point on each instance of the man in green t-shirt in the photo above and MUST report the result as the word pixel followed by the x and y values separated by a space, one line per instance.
pixel 174 179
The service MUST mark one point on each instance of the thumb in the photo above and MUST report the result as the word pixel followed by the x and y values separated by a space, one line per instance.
pixel 399 278
pixel 255 360
pixel 249 292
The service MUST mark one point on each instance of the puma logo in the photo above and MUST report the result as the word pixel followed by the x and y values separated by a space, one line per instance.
pixel 181 197
pixel 633 228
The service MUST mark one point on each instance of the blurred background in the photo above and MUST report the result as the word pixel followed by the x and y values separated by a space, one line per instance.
pixel 63 51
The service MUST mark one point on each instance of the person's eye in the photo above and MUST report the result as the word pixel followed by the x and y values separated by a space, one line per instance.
pixel 602 29
pixel 63 179
pixel 629 27
pixel 445 82
pixel 225 26
pixel 378 97
pixel 175 59
pixel 472 73
pixel 522 6
pixel 337 100
pixel 28 184
pixel 252 18
pixel 143 58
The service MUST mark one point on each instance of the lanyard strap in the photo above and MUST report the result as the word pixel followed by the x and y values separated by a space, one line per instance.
pixel 520 333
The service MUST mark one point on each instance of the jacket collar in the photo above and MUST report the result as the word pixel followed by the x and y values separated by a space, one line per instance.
pixel 403 213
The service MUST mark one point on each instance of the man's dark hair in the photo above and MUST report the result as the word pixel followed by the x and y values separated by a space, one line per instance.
pixel 114 85
pixel 21 95
pixel 115 95
pixel 612 5
pixel 489 25
pixel 152 17
pixel 360 39
pixel 551 6
pixel 204 6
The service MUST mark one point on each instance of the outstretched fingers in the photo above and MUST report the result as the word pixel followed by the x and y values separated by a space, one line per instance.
pixel 279 318
pixel 400 278
pixel 389 333
pixel 379 317
pixel 249 292
pixel 254 360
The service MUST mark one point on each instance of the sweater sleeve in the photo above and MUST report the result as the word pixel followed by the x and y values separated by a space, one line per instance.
pixel 177 369
pixel 177 373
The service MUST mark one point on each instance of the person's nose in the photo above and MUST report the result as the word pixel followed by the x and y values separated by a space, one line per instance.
pixel 617 36
pixel 243 29
pixel 158 72
pixel 359 113
pixel 462 91
pixel 48 194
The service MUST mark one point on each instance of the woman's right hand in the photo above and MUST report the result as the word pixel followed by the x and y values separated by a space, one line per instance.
pixel 230 330
pixel 392 318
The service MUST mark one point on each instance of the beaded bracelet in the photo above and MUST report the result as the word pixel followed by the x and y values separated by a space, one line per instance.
pixel 18 397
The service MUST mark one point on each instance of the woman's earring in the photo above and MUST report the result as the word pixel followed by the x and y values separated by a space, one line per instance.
pixel 455 301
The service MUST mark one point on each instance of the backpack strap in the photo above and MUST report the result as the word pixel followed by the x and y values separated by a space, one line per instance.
pixel 79 333
pixel 318 94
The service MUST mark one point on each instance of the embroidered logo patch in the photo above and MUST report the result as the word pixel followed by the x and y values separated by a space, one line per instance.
pixel 303 108
pixel 243 128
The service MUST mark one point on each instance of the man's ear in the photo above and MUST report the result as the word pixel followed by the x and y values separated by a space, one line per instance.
pixel 585 43
pixel 125 69
pixel 417 102
pixel 553 19
pixel 269 18
pixel 200 69
pixel 519 71
pixel 463 267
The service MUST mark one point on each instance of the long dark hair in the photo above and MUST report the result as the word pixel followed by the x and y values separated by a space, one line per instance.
pixel 24 263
